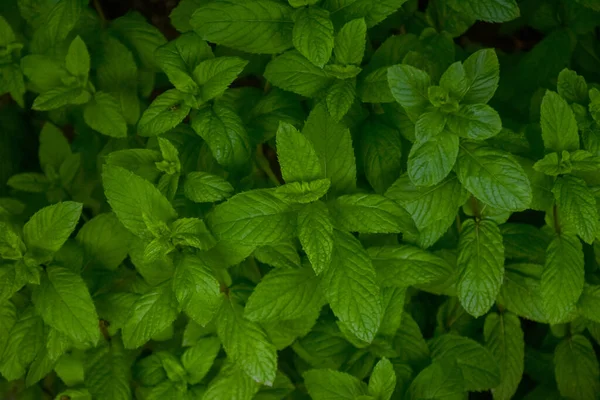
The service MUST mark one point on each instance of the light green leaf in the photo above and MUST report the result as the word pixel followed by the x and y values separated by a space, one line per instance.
pixel 494 177
pixel 442 379
pixel 429 125
pixel 224 132
pixel 563 277
pixel 455 80
pixel 577 205
pixel 350 42
pixel 105 241
pixel 475 121
pixel 108 372
pixel 78 60
pixel 488 10
pixel 572 87
pixel 11 244
pixel 25 340
pixel 134 200
pixel 202 187
pixel 163 114
pixel 10 282
pixel 383 380
pixel 197 289
pixel 409 87
pixel 559 128
pixel 279 255
pixel 333 144
pixel 483 73
pixel 104 115
pixel 64 302
pixel 303 192
pixel 431 161
pixel 589 303
pixel 520 291
pixel 246 343
pixel 349 284
pixel 370 213
pixel 381 149
pixel 141 162
pixel 152 313
pixel 479 367
pixel 43 72
pixel 296 155
pixel 285 294
pixel 313 34
pixel 576 368
pixel 315 232
pixel 340 97
pixel 49 228
pixel 293 72
pixel 8 318
pixel 59 97
pixel 198 359
pixel 216 74
pixel 192 232
pixel 481 263
pixel 326 384
pixel 253 217
pixel 504 338
pixel 406 265
pixel 231 383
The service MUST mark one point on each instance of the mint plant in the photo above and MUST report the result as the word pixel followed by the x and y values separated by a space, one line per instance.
pixel 301 199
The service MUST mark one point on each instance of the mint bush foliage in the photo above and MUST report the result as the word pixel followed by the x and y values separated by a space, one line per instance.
pixel 326 199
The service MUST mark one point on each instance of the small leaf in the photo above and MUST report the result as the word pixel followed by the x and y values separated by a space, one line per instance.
pixel 315 232
pixel 559 128
pixel 49 228
pixel 313 34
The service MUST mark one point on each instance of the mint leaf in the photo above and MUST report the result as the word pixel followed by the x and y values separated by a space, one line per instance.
pixel 246 344
pixel 381 154
pixel 383 380
pixel 202 187
pixel 285 294
pixel 350 288
pixel 293 72
pixel 303 192
pixel 504 338
pixel 572 87
pixel 577 205
pixel 103 114
pixel 488 10
pixel 370 213
pixel 198 359
pixel 439 377
pixel 431 161
pixel 313 34
pixel 373 13
pixel 165 113
pixel 152 313
pixel 521 293
pixel 374 88
pixel 350 42
pixel 135 201
pixel 297 156
pixel 105 241
pixel 107 372
pixel 429 125
pixel 576 368
pixel 340 98
pixel 483 73
pixel 231 382
pixel 77 61
pixel 25 339
pixel 409 87
pixel 254 217
pixel 325 384
pixel 455 80
pixel 480 259
pixel 589 302
pixel 562 279
pixel 494 177
pixel 315 231
pixel 140 36
pixel 475 121
pixel 559 128
pixel 48 229
pixel 264 26
pixel 60 97
pixel 216 74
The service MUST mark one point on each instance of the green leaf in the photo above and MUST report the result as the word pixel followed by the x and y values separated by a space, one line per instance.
pixel 231 383
pixel 475 121
pixel 263 26
pixel 54 147
pixel 494 177
pixel 108 372
pixel 577 205
pixel 431 161
pixel 246 343
pixel 349 285
pixel 406 265
pixel 222 128
pixel 165 113
pixel 488 10
pixel 340 98
pixel 313 34
pixel 105 241
pixel 479 368
pixel 333 144
pixel 8 318
pixel 429 125
pixel 350 42
pixel 285 294
pixel 455 80
pixel 563 277
pixel 381 154
pixel 296 155
pixel 481 263
pixel 179 58
pixel 57 21
pixel 180 16
pixel 572 87
pixel 139 35
pixel 326 384
pixel 10 282
pixel 374 88
pixel 504 338
pixel 280 255
pixel 104 115
pixel 11 245
pixel 559 128
pixel 25 340
pixel 198 359
pixel 372 12
pixel 483 73
pixel 576 368
pixel 253 217
pixel 589 303
pixel 303 192
pixel 216 74
pixel 202 187
pixel 192 232
pixel 293 72
pixel 520 291
pixel 409 87
pixel 64 302
pixel 77 61
pixel 49 228
pixel 197 289
pixel 315 232
pixel 383 380
pixel 370 213
pixel 29 182
pixel 134 200
pixel 439 380
pixel 59 97
pixel 152 313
